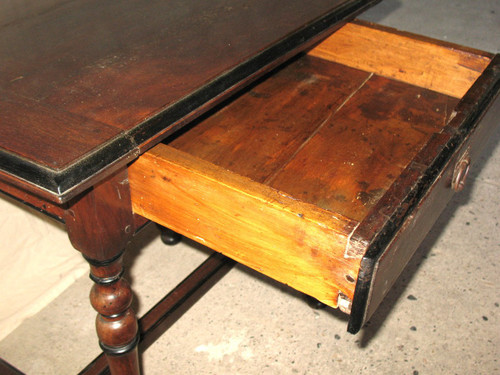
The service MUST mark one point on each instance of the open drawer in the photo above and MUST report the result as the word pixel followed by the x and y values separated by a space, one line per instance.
pixel 327 174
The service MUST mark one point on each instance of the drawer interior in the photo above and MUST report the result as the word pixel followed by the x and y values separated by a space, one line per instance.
pixel 280 177
pixel 435 65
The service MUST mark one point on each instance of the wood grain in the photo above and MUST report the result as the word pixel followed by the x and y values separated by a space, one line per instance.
pixel 100 222
pixel 257 133
pixel 279 185
pixel 35 131
pixel 271 232
pixel 409 209
pixel 121 63
pixel 324 133
pixel 101 72
pixel 420 62
pixel 363 148
pixel 282 177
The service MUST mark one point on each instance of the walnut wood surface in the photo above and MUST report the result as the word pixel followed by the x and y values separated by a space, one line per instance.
pixel 41 205
pixel 51 137
pixel 171 307
pixel 100 224
pixel 76 76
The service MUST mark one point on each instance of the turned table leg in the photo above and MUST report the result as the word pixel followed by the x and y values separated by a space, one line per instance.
pixel 116 323
pixel 100 224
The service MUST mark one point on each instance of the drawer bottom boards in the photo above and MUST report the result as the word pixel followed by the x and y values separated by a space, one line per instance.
pixel 327 174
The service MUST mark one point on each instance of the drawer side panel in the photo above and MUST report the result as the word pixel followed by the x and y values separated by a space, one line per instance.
pixel 264 229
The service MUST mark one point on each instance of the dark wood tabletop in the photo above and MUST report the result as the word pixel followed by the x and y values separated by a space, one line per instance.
pixel 86 86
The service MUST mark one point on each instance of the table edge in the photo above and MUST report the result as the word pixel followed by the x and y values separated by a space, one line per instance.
pixel 61 185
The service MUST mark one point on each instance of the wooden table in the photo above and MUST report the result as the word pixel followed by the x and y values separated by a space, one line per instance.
pixel 90 89
pixel 88 86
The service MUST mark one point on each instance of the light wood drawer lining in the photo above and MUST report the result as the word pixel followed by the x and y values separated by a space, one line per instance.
pixel 422 62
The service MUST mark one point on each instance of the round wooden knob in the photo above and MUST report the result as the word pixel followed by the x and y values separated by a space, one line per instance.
pixel 460 174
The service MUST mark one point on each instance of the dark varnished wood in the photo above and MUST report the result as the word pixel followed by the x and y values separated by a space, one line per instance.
pixel 52 138
pixel 107 206
pixel 100 223
pixel 49 208
pixel 167 311
pixel 89 74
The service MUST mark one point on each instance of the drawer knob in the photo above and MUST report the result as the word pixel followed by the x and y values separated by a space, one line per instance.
pixel 460 173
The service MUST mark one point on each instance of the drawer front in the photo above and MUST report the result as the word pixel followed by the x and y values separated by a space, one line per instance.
pixel 397 241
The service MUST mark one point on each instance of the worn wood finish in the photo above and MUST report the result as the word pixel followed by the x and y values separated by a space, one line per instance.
pixel 107 205
pixel 407 211
pixel 37 132
pixel 78 77
pixel 100 224
pixel 340 167
pixel 363 147
pixel 127 86
pixel 259 132
pixel 310 111
pixel 423 62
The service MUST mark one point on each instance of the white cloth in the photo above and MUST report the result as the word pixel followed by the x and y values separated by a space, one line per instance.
pixel 37 263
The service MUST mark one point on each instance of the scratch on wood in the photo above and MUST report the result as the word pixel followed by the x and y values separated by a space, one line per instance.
pixel 453 114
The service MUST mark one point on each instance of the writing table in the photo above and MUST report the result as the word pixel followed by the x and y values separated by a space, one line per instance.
pixel 88 86
pixel 78 107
